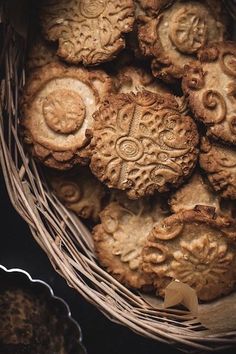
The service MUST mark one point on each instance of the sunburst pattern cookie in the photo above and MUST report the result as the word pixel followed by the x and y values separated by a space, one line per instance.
pixel 87 31
pixel 79 191
pixel 196 248
pixel 120 237
pixel 142 143
pixel 219 163
pixel 57 107
pixel 173 35
pixel 210 88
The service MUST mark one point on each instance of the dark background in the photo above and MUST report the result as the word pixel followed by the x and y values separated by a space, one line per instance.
pixel 100 336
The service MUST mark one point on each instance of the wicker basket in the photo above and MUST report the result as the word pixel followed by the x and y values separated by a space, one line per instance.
pixel 68 243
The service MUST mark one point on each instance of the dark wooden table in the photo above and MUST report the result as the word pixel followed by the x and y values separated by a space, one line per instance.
pixel 100 335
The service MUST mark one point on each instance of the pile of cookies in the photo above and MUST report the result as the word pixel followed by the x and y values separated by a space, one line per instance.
pixel 131 106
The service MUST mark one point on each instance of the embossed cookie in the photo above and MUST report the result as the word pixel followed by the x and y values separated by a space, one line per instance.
pixel 87 31
pixel 196 248
pixel 142 143
pixel 120 237
pixel 173 35
pixel 211 90
pixel 57 108
pixel 195 192
pixel 219 163
pixel 79 191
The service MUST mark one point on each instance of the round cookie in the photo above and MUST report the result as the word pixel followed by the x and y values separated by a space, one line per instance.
pixel 87 31
pixel 173 35
pixel 120 237
pixel 79 191
pixel 57 108
pixel 142 143
pixel 195 192
pixel 209 86
pixel 196 248
pixel 219 163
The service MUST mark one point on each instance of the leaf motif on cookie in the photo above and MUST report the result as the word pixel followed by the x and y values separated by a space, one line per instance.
pixel 146 143
pixel 87 31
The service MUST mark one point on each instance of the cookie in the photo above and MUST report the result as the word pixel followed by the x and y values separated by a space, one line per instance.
pixel 142 143
pixel 87 31
pixel 209 86
pixel 219 164
pixel 173 35
pixel 40 53
pixel 79 191
pixel 195 192
pixel 135 79
pixel 57 108
pixel 196 248
pixel 120 237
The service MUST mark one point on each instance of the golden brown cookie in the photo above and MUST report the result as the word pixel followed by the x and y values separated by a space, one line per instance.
pixel 195 192
pixel 135 79
pixel 196 248
pixel 173 35
pixel 87 31
pixel 219 163
pixel 142 143
pixel 79 191
pixel 120 237
pixel 57 108
pixel 40 53
pixel 210 88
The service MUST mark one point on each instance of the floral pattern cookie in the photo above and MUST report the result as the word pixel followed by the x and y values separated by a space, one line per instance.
pixel 57 108
pixel 87 31
pixel 142 143
pixel 196 248
pixel 173 35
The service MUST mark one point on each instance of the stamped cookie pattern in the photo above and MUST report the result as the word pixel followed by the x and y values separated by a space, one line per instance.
pixel 195 248
pixel 219 163
pixel 57 108
pixel 211 90
pixel 79 191
pixel 173 35
pixel 87 31
pixel 120 238
pixel 141 143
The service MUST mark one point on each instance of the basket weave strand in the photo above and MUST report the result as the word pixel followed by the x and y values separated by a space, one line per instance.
pixel 64 238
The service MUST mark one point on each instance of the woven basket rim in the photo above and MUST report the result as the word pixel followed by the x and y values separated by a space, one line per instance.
pixel 65 239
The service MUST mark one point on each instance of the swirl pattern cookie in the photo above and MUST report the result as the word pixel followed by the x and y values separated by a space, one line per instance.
pixel 57 108
pixel 196 248
pixel 87 31
pixel 219 163
pixel 211 90
pixel 173 35
pixel 142 143
pixel 79 191
pixel 120 238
